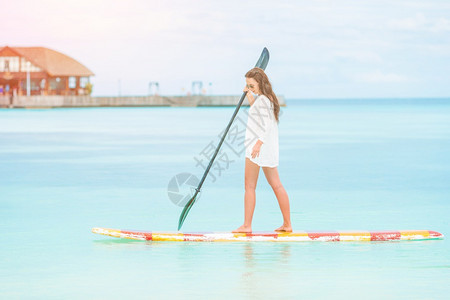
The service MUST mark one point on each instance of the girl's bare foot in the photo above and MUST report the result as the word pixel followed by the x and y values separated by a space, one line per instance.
pixel 284 228
pixel 243 229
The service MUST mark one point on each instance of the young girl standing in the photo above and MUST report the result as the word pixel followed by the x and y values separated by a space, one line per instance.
pixel 261 138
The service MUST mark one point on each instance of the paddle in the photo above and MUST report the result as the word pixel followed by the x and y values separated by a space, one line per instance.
pixel 262 63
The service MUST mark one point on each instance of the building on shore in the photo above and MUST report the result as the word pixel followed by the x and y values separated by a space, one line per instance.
pixel 41 71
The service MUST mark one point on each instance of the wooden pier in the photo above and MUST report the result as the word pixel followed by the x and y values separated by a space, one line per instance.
pixel 128 101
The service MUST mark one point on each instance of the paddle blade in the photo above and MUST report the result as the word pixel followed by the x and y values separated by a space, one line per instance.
pixel 263 59
pixel 186 210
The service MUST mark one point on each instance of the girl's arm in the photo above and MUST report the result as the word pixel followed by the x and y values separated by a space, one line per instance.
pixel 250 97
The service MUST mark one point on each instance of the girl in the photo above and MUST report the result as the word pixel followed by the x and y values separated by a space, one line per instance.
pixel 261 138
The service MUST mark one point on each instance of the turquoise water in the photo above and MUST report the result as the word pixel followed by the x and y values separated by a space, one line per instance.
pixel 346 164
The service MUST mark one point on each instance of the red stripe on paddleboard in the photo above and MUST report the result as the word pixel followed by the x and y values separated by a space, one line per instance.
pixel 332 236
pixel 385 235
pixel 435 234
pixel 146 234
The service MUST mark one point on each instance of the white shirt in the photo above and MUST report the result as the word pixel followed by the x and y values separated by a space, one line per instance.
pixel 262 125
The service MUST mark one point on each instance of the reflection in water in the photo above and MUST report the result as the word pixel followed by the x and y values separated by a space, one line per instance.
pixel 128 243
pixel 259 260
pixel 115 241
pixel 277 252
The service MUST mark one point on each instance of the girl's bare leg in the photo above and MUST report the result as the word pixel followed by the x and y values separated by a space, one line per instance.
pixel 283 200
pixel 251 178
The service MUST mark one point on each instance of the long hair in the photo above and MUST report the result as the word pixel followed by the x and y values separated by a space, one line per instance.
pixel 265 88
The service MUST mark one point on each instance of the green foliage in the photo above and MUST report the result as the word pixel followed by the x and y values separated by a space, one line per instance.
pixel 88 88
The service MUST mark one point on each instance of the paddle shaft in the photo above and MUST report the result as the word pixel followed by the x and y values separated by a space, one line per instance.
pixel 261 63
pixel 221 142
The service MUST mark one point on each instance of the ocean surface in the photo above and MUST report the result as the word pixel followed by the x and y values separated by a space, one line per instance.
pixel 381 164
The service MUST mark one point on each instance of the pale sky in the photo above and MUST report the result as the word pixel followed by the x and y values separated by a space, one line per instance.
pixel 319 49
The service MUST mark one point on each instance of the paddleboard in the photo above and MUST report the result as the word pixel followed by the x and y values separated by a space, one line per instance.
pixel 297 236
